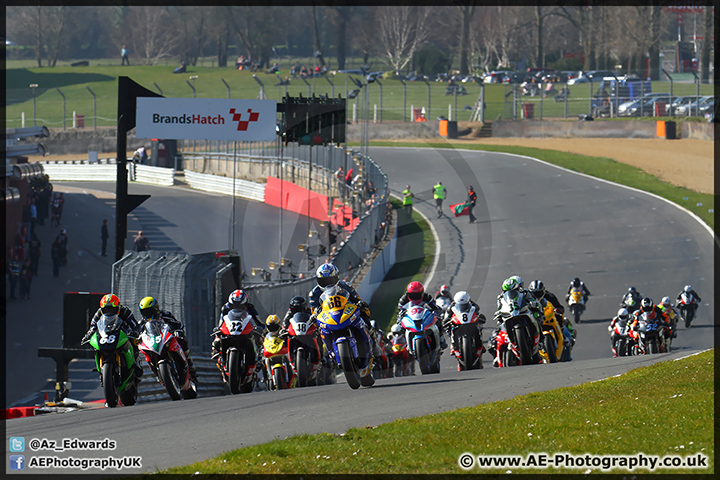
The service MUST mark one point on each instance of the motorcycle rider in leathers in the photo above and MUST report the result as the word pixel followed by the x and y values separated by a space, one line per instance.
pixel 110 305
pixel 238 302
pixel 462 298
pixel 150 309
pixel 415 292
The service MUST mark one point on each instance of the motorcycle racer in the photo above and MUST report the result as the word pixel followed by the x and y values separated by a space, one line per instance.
pixel 444 292
pixel 575 285
pixel 463 298
pixel 537 288
pixel 298 304
pixel 415 294
pixel 110 305
pixel 631 299
pixel 238 302
pixel 150 309
pixel 327 276
pixel 648 306
pixel 672 316
pixel 689 290
pixel 622 319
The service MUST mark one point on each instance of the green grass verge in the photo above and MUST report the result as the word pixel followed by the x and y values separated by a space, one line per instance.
pixel 663 409
pixel 700 204
pixel 414 256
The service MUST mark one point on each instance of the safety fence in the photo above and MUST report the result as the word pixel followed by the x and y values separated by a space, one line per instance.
pixel 73 171
pixel 225 186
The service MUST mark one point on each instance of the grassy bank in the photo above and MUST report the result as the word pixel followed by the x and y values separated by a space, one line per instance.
pixel 663 409
pixel 600 167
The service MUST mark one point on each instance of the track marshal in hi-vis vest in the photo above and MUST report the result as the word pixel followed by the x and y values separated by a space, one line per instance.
pixel 439 193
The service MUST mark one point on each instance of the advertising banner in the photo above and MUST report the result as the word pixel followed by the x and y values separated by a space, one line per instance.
pixel 206 119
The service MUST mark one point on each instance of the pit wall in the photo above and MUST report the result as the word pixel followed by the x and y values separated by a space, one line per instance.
pixel 595 129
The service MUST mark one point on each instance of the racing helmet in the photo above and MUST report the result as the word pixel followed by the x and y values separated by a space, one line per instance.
pixel 444 288
pixel 298 304
pixel 632 290
pixel 647 305
pixel 396 329
pixel 415 290
pixel 272 322
pixel 665 302
pixel 687 288
pixel 238 300
pixel 149 307
pixel 461 298
pixel 510 284
pixel 110 304
pixel 520 281
pixel 537 288
pixel 623 314
pixel 327 275
pixel 576 282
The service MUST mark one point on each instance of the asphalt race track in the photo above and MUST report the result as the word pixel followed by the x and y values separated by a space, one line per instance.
pixel 534 220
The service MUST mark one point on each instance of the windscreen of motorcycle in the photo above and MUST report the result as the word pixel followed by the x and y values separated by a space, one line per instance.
pixel 576 296
pixel 337 313
pixel 273 344
pixel 511 302
pixel 108 324
pixel 235 323
pixel 463 314
pixel 155 335
pixel 300 324
pixel 417 318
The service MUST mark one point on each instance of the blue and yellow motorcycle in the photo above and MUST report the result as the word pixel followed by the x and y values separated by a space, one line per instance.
pixel 345 335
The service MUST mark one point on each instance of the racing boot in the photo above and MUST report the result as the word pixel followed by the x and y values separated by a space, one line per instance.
pixel 191 366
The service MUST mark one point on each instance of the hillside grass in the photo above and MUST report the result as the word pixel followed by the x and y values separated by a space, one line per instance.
pixel 663 409
pixel 395 104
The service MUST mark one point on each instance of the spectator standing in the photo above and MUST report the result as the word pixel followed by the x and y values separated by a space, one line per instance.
pixel 56 255
pixel 104 235
pixel 140 155
pixel 44 205
pixel 20 242
pixel 408 196
pixel 349 178
pixel 35 253
pixel 57 208
pixel 25 279
pixel 141 243
pixel 471 200
pixel 439 192
pixel 33 215
pixel 63 238
pixel 26 221
pixel 124 54
pixel 13 274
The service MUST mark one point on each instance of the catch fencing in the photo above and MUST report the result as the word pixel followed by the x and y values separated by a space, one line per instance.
pixel 194 287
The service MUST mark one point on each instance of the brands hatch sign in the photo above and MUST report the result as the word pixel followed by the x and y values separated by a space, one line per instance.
pixel 206 119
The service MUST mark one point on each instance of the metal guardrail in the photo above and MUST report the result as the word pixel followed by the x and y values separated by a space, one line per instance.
pixel 73 171
pixel 224 185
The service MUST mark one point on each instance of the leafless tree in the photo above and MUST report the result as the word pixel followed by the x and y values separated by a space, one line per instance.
pixel 152 33
pixel 257 28
pixel 402 31
pixel 466 14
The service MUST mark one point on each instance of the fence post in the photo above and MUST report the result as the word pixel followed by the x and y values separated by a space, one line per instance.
pixel 64 105
pixel 33 86
pixel 427 116
pixel 94 108
pixel 404 100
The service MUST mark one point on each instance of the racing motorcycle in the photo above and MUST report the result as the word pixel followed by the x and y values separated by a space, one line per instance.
pixel 650 337
pixel 277 365
pixel 576 302
pixel 345 335
pixel 466 336
pixel 623 342
pixel 238 358
pixel 687 306
pixel 553 338
pixel 115 361
pixel 629 303
pixel 167 360
pixel 520 328
pixel 400 356
pixel 423 337
pixel 382 367
pixel 303 349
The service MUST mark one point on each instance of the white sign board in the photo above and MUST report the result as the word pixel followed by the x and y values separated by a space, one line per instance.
pixel 206 119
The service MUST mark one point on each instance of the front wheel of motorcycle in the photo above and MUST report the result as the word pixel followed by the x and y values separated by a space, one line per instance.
pixel 466 353
pixel 169 380
pixel 279 378
pixel 576 313
pixel 234 371
pixel 347 365
pixel 303 367
pixel 551 348
pixel 109 387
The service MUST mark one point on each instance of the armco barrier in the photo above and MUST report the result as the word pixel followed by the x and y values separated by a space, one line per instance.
pixel 224 185
pixel 107 172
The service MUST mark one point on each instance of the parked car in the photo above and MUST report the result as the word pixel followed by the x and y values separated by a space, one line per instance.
pixel 644 106
pixel 707 106
pixel 591 76
pixel 495 76
pixel 691 108
pixel 677 102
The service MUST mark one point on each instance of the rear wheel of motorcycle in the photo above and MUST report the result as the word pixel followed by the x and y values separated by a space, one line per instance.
pixel 234 371
pixel 169 380
pixel 109 387
pixel 467 353
pixel 303 367
pixel 421 352
pixel 347 365
pixel 550 348
pixel 279 379
pixel 523 347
